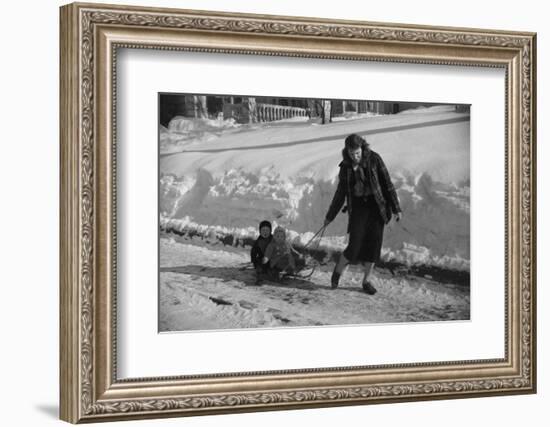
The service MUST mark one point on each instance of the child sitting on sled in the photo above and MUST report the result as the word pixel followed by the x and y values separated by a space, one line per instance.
pixel 279 254
pixel 258 249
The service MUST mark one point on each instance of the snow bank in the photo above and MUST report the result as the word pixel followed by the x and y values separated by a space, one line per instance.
pixel 411 255
pixel 182 131
pixel 436 215
pixel 407 254
pixel 428 110
pixel 354 116
pixel 287 174
pixel 186 124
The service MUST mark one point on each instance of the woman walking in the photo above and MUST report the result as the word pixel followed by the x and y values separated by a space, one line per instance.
pixel 365 185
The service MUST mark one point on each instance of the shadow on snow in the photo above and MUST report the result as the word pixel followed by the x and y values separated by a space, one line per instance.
pixel 248 277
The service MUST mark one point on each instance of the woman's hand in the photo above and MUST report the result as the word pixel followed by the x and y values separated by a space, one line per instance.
pixel 398 216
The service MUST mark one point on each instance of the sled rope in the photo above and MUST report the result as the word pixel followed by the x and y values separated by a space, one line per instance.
pixel 318 238
pixel 322 231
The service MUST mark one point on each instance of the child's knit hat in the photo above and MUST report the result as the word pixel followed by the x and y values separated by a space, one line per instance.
pixel 265 224
pixel 279 229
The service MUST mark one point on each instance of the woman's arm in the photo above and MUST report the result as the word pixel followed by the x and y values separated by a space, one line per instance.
pixel 339 196
pixel 387 186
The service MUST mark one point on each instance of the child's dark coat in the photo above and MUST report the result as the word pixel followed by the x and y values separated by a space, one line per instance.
pixel 258 250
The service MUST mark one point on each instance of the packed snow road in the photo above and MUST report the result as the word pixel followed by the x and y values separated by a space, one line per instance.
pixel 205 286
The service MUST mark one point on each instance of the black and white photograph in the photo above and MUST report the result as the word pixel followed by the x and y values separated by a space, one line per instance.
pixel 292 212
pixel 284 213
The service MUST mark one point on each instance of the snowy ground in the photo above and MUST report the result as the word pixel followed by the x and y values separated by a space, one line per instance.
pixel 218 180
pixel 210 286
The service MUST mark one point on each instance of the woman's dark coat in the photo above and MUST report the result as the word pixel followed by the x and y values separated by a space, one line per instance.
pixel 382 187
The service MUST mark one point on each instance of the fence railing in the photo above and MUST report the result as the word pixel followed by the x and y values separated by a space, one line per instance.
pixel 270 112
pixel 246 113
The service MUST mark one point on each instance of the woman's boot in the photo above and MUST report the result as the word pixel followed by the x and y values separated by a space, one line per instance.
pixel 368 288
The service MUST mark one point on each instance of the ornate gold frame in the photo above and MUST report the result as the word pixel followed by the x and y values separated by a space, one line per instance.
pixel 90 35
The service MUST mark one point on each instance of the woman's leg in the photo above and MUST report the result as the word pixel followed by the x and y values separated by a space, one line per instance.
pixel 367 285
pixel 372 243
pixel 341 264
pixel 367 269
pixel 338 270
